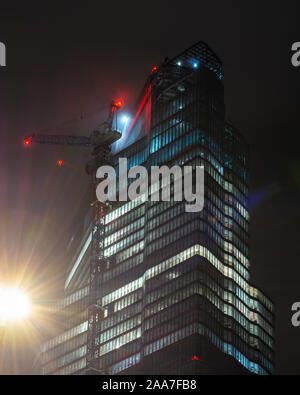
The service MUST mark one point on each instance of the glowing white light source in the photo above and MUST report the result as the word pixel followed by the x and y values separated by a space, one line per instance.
pixel 125 118
pixel 179 63
pixel 195 65
pixel 14 305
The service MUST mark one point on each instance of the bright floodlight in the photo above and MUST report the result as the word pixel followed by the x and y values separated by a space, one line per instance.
pixel 14 305
pixel 125 118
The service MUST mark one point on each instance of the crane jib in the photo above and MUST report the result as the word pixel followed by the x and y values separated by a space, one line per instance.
pixel 83 141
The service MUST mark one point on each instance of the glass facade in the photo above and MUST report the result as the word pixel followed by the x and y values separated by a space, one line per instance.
pixel 176 284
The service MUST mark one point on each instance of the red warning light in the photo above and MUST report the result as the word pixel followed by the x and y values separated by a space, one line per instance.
pixel 27 141
pixel 154 69
pixel 195 358
pixel 118 103
pixel 60 163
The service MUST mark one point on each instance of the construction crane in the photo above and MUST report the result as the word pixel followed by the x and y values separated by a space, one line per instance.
pixel 99 141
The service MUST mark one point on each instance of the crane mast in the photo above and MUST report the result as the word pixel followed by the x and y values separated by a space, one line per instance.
pixel 99 141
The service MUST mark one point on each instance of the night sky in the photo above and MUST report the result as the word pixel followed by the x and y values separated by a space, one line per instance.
pixel 66 61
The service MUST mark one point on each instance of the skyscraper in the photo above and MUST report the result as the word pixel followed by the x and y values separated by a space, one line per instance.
pixel 175 294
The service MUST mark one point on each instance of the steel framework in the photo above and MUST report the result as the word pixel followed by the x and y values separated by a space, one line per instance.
pixel 100 141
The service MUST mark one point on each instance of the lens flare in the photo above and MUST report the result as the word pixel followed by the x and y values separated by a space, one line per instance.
pixel 14 305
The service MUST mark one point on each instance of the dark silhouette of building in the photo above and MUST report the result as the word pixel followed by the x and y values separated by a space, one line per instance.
pixel 175 295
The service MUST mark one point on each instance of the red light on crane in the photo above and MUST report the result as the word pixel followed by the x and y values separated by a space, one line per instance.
pixel 60 163
pixel 118 103
pixel 27 141
pixel 154 69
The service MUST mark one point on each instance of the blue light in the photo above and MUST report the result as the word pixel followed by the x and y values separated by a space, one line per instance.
pixel 195 65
